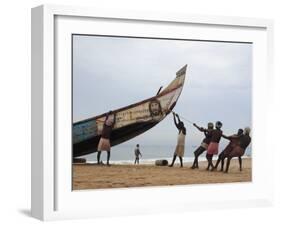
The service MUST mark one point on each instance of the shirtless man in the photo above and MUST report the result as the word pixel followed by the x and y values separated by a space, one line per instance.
pixel 204 144
pixel 233 142
pixel 104 142
pixel 213 147
pixel 240 149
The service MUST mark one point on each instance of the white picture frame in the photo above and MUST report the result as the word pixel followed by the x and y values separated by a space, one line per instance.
pixel 52 197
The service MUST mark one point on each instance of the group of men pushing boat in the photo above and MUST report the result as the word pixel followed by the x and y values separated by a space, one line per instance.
pixel 236 147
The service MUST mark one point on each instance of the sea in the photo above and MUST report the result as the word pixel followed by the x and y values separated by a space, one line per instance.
pixel 124 154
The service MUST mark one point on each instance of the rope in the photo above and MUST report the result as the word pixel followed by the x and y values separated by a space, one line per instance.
pixel 184 118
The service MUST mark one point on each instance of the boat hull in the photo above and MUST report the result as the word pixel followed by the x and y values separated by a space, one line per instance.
pixel 118 136
pixel 130 121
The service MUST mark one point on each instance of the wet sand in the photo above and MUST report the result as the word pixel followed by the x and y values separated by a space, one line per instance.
pixel 91 176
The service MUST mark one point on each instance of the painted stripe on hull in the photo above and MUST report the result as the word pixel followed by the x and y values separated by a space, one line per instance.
pixel 118 136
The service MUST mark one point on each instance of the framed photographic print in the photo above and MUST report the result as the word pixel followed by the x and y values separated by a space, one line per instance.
pixel 136 113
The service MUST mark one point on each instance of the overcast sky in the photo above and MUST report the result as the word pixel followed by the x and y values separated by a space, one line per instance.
pixel 111 72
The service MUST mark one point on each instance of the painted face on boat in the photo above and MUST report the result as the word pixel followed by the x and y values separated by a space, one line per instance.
pixel 155 108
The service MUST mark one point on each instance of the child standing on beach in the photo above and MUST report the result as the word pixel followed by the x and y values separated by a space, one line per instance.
pixel 137 154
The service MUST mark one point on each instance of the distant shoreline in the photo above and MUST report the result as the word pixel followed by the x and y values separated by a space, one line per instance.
pixel 152 160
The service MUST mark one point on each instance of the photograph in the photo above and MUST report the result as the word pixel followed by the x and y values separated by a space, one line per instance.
pixel 150 111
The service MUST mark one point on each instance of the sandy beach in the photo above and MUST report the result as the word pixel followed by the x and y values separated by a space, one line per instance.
pixel 91 176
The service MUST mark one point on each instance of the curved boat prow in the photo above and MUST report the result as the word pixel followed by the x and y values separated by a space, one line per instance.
pixel 178 81
pixel 175 87
pixel 131 120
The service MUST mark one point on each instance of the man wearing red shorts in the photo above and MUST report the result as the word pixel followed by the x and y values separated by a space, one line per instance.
pixel 213 147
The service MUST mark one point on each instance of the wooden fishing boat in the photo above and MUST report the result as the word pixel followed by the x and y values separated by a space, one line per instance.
pixel 130 121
